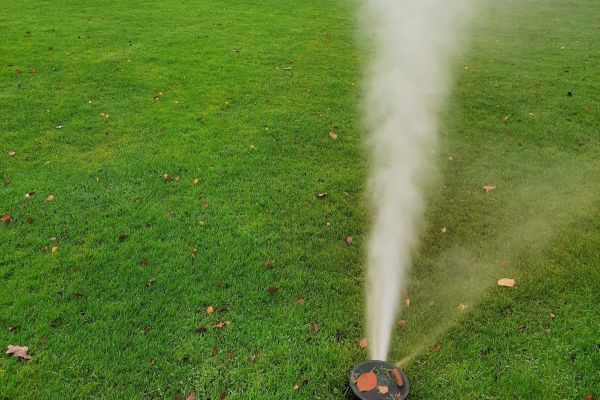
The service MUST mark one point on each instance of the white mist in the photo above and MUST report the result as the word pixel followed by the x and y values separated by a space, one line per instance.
pixel 407 82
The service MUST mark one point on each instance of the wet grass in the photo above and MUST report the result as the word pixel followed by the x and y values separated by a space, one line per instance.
pixel 242 97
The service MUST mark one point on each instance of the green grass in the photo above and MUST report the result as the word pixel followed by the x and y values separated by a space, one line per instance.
pixel 256 135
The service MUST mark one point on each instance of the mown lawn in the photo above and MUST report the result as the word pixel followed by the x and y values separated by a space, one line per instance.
pixel 100 99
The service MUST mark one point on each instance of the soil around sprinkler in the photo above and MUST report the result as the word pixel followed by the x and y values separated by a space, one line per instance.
pixel 387 387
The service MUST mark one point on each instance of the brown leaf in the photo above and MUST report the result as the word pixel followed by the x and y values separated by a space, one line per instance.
pixel 166 177
pixel 407 302
pixel 144 261
pixel 7 182
pixel 122 237
pixel 150 282
pixel 349 239
pixel 6 218
pixel 402 323
pixel 437 347
pixel 50 197
pixel 300 300
pixel 397 377
pixel 19 352
pixel 192 396
pixel 588 397
pixel 333 135
pixel 12 153
pixel 272 289
pixel 366 382
pixel 34 70
pixel 488 188
pixel 269 264
pixel 214 351
pixel 504 262
pixel 201 330
pixel 221 324
pixel 321 195
pixel 315 327
pixel 506 282
pixel 54 249
pixel 587 109
pixel 223 396
pixel 296 387
pixel 209 310
pixel 196 181
pixel 363 343
pixel 205 205
pixel 383 389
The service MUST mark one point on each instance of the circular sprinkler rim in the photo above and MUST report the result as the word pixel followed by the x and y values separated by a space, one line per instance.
pixel 385 378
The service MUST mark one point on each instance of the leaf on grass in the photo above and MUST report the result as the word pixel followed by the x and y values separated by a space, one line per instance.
pixel 488 188
pixel 321 195
pixel 196 181
pixel 12 153
pixel 300 300
pixel 6 218
pixel 506 282
pixel 122 237
pixel 214 351
pixel 272 289
pixel 209 310
pixel 315 327
pixel 104 116
pixel 363 343
pixel 366 382
pixel 7 182
pixel 444 229
pixel 50 197
pixel 144 261
pixel 19 352
pixel 349 239
pixel 54 249
pixel 401 323
pixel 192 396
pixel 397 377
pixel 166 177
pixel 150 282
pixel 437 347
pixel 333 135
pixel 407 302
pixel 383 389
pixel 269 264
pixel 221 324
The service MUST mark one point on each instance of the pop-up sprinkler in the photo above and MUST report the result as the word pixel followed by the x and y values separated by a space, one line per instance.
pixel 378 380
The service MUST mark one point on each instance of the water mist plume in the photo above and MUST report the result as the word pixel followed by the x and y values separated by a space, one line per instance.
pixel 407 82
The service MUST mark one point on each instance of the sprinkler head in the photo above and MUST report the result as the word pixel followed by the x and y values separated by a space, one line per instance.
pixel 392 382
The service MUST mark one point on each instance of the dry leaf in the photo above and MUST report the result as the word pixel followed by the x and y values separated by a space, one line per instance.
pixel 269 264
pixel 383 389
pixel 54 249
pixel 214 351
pixel 349 239
pixel 504 262
pixel 144 261
pixel 296 387
pixel 50 198
pixel 272 289
pixel 223 396
pixel 407 302
pixel 177 179
pixel 505 119
pixel 209 310
pixel 366 382
pixel 7 182
pixel 196 181
pixel 202 222
pixel 444 229
pixel 333 135
pixel 437 347
pixel 6 218
pixel 19 352
pixel 104 116
pixel 122 237
pixel 150 282
pixel 166 177
pixel 363 343
pixel 221 324
pixel 315 327
pixel 488 188
pixel 401 323
pixel 552 316
pixel 506 282
pixel 192 396
pixel 397 377
pixel 321 196
pixel 300 300
pixel 12 153
pixel 205 205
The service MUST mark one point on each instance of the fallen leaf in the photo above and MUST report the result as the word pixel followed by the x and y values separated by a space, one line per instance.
pixel 462 307
pixel 6 218
pixel 349 239
pixel 221 324
pixel 552 316
pixel 150 282
pixel 50 197
pixel 522 328
pixel 444 229
pixel 223 396
pixel 268 264
pixel 587 109
pixel 383 389
pixel 202 222
pixel 7 182
pixel 272 289
pixel 144 261
pixel 315 327
pixel 296 387
pixel 300 300
pixel 214 351
pixel 177 179
pixel 506 282
pixel 209 310
pixel 363 343
pixel 437 347
pixel 321 196
pixel 192 396
pixel 505 119
pixel 19 352
pixel 166 177
pixel 196 181
pixel 407 302
pixel 12 153
pixel 504 262
pixel 366 382
pixel 122 237
pixel 401 323
pixel 488 188
pixel 333 135
pixel 397 377
pixel 54 249
pixel 588 397
pixel 201 330
pixel 34 70
pixel 205 205
pixel 194 252
pixel 104 116
pixel 432 302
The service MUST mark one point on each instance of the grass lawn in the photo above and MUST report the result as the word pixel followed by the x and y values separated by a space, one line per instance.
pixel 100 99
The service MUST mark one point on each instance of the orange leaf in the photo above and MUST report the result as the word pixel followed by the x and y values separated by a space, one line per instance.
pixel 366 382
pixel 349 240
pixel 6 218
pixel 506 282
pixel 383 389
pixel 333 135
pixel 363 343
pixel 397 377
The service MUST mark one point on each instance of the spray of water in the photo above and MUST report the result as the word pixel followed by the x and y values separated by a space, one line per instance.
pixel 413 41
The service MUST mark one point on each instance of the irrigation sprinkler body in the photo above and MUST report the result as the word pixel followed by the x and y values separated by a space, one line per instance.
pixel 389 384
